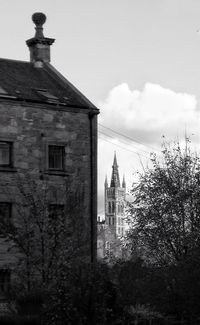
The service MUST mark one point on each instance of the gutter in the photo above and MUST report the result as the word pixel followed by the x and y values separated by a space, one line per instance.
pixel 93 178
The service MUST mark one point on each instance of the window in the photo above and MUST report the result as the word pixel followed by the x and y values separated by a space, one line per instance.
pixel 113 207
pixel 56 211
pixel 56 157
pixel 109 207
pixel 5 210
pixel 5 154
pixel 5 215
pixel 4 281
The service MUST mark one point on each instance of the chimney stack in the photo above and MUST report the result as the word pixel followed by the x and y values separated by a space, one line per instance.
pixel 39 45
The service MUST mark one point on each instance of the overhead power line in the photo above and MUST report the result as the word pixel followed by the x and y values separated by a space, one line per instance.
pixel 135 152
pixel 112 137
pixel 127 137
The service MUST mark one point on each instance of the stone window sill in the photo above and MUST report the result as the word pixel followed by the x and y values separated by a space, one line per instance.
pixel 8 169
pixel 56 172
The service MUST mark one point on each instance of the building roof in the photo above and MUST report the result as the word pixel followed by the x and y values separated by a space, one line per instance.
pixel 21 80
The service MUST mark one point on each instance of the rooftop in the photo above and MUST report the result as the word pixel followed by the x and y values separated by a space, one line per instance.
pixel 37 80
pixel 22 80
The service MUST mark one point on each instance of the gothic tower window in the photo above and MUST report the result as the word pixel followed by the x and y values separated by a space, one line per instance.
pixel 113 207
pixel 109 207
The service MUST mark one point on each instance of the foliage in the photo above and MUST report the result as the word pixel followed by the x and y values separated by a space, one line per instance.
pixel 165 233
pixel 43 236
pixel 84 295
pixel 165 212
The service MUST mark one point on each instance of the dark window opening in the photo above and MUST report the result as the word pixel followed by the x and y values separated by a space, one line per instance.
pixel 5 210
pixel 4 280
pixel 113 207
pixel 5 217
pixel 56 211
pixel 56 157
pixel 5 154
pixel 109 207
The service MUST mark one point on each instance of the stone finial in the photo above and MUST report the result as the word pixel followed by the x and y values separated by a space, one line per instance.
pixel 39 19
pixel 39 45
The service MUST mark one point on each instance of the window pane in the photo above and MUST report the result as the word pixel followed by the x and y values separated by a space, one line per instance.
pixel 4 280
pixel 109 207
pixel 5 210
pixel 56 157
pixel 56 211
pixel 5 153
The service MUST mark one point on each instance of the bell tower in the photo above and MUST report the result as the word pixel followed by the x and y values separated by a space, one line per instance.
pixel 115 197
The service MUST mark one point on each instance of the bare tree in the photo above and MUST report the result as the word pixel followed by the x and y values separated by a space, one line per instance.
pixel 47 229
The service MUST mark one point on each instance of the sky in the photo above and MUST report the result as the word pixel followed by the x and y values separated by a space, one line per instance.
pixel 138 61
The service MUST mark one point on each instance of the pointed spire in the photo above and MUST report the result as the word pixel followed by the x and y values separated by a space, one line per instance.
pixel 115 181
pixel 115 160
pixel 124 182
pixel 106 181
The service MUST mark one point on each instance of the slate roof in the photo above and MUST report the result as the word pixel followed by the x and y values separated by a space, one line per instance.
pixel 21 80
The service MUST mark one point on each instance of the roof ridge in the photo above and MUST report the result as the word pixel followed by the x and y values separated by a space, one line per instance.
pixel 14 60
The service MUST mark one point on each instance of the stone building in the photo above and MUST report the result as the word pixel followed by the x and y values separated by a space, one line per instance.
pixel 48 133
pixel 113 229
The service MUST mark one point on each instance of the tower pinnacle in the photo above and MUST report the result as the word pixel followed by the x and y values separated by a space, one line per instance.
pixel 115 181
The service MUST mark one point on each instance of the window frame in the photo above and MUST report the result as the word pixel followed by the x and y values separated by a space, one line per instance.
pixel 5 281
pixel 50 145
pixel 10 147
pixel 55 205
pixel 9 204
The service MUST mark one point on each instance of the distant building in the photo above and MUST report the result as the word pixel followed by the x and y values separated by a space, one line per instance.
pixel 110 234
pixel 49 130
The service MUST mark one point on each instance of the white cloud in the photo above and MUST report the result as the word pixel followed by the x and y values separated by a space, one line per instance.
pixel 143 115
pixel 150 113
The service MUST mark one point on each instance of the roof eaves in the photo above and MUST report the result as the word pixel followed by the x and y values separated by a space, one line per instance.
pixel 66 82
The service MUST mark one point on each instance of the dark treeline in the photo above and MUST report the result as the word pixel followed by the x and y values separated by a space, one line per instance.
pixel 158 283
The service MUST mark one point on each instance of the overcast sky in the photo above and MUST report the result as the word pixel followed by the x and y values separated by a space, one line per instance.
pixel 137 60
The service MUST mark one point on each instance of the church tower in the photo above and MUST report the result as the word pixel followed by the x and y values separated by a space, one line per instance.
pixel 115 196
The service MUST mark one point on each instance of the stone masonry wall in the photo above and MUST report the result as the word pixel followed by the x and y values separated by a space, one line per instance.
pixel 32 129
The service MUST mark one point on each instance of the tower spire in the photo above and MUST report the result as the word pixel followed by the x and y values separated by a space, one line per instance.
pixel 115 181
